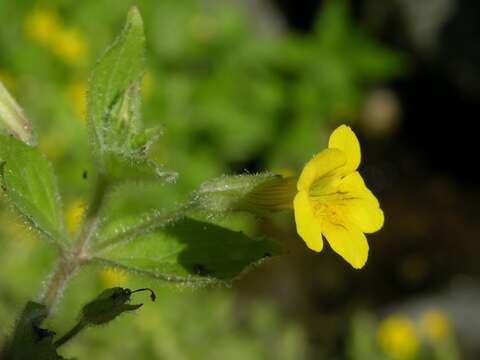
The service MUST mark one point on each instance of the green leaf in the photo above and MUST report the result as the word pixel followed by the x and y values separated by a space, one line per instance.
pixel 119 69
pixel 189 251
pixel 29 181
pixel 114 100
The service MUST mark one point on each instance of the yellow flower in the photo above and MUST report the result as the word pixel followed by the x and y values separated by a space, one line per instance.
pixel 42 25
pixel 74 214
pixel 70 46
pixel 8 80
pixel 47 29
pixel 202 27
pixel 111 277
pixel 332 200
pixel 54 145
pixel 77 93
pixel 147 84
pixel 435 324
pixel 397 337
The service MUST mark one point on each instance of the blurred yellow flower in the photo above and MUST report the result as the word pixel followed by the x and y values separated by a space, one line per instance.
pixel 147 84
pixel 46 28
pixel 8 80
pixel 70 46
pixel 54 145
pixel 397 337
pixel 77 93
pixel 333 200
pixel 42 26
pixel 435 324
pixel 202 27
pixel 73 214
pixel 111 277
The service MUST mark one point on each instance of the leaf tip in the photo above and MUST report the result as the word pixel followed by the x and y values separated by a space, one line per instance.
pixel 134 18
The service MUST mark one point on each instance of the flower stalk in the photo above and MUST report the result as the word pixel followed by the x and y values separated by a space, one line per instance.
pixel 70 261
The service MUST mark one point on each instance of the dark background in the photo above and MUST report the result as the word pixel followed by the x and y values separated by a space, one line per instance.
pixel 424 171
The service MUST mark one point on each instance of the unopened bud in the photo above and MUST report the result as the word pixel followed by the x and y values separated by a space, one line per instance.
pixel 103 309
pixel 109 304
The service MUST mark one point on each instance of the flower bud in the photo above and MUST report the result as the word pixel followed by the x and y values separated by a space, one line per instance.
pixel 109 304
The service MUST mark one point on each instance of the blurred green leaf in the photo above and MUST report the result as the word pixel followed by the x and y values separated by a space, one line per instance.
pixel 362 342
pixel 29 340
pixel 189 251
pixel 29 181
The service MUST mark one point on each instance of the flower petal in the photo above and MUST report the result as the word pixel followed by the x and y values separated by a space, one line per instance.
pixel 349 242
pixel 308 227
pixel 321 165
pixel 343 138
pixel 363 208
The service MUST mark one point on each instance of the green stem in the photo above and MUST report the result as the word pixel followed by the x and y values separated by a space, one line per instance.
pixel 91 219
pixel 57 282
pixel 74 331
pixel 70 261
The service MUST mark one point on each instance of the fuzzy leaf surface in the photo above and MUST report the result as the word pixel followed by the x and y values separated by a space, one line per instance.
pixel 114 99
pixel 29 181
pixel 189 251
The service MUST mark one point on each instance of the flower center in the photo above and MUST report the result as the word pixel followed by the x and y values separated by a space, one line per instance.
pixel 331 212
pixel 328 201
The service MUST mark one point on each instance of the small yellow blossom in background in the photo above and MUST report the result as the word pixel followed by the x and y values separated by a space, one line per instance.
pixel 42 26
pixel 397 337
pixel 147 84
pixel 73 215
pixel 70 46
pixel 111 277
pixel 8 80
pixel 54 145
pixel 332 200
pixel 77 93
pixel 202 27
pixel 435 324
pixel 14 228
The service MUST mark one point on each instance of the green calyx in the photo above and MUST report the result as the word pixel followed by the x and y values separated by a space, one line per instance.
pixel 104 308
pixel 252 193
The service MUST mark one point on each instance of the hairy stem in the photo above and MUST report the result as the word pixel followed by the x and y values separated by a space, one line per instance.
pixel 70 261
pixel 57 282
